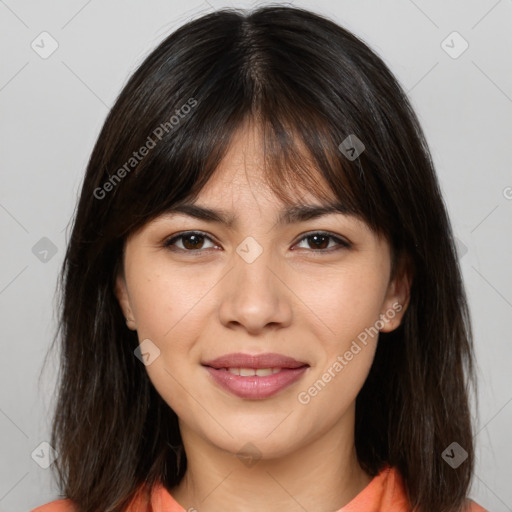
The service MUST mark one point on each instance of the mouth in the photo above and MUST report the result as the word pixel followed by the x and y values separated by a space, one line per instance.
pixel 255 377
pixel 251 372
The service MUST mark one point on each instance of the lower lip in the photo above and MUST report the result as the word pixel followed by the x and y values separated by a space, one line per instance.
pixel 256 387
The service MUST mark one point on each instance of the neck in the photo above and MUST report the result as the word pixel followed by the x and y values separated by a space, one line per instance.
pixel 322 475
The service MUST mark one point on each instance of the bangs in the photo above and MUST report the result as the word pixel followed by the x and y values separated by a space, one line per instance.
pixel 300 153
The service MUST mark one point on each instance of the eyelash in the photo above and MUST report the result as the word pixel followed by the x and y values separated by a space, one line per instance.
pixel 170 242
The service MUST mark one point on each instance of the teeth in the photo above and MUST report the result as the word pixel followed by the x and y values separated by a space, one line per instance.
pixel 251 372
pixel 263 372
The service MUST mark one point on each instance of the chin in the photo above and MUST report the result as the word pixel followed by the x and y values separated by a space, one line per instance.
pixel 257 444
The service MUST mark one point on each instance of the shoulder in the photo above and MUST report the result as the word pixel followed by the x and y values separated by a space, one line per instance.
pixel 475 507
pixel 63 505
pixel 138 504
pixel 387 493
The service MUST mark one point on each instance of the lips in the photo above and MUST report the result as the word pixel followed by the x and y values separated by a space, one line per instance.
pixel 255 377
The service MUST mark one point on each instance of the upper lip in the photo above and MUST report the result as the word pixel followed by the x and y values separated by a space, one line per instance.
pixel 269 360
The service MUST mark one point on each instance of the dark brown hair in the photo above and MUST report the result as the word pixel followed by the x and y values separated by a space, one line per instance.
pixel 308 84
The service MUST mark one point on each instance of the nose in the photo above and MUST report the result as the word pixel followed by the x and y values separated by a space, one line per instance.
pixel 254 294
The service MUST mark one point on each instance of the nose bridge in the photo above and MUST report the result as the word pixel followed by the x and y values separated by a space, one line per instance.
pixel 253 262
pixel 255 296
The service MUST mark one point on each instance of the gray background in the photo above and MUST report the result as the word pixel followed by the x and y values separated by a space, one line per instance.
pixel 52 110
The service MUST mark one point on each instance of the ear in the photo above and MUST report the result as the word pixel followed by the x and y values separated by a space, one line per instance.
pixel 397 296
pixel 123 298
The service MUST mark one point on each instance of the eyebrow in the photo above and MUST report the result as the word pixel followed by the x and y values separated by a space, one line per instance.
pixel 293 214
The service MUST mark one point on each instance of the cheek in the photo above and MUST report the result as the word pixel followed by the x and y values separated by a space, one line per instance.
pixel 346 302
pixel 329 396
pixel 164 300
pixel 169 308
pixel 348 305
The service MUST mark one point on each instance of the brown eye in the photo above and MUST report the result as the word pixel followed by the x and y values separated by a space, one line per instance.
pixel 319 241
pixel 190 242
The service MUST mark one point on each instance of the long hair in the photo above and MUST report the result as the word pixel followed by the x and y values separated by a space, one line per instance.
pixel 311 86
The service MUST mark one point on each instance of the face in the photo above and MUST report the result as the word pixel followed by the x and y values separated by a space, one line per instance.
pixel 300 304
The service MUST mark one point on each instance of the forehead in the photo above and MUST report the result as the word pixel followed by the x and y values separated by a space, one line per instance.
pixel 243 171
pixel 242 185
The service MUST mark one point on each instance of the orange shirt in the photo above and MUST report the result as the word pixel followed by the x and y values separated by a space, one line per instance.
pixel 384 493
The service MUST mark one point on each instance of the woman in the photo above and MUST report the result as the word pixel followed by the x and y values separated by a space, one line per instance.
pixel 262 306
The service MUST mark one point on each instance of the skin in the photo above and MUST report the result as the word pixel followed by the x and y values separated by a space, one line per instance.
pixel 196 307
